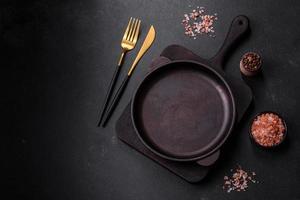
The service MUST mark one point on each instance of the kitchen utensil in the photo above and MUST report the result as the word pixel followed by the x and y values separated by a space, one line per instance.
pixel 128 43
pixel 147 43
pixel 189 171
pixel 185 110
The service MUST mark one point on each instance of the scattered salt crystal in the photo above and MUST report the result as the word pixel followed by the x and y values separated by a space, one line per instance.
pixel 238 181
pixel 197 22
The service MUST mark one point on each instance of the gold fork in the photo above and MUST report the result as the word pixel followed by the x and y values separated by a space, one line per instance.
pixel 128 43
pixel 130 37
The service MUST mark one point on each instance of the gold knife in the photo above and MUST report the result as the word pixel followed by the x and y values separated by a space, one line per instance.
pixel 145 46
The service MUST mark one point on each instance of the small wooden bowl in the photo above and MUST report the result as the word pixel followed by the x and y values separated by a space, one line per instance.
pixel 275 145
pixel 247 72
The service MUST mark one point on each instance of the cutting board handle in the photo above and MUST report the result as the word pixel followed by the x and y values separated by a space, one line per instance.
pixel 238 28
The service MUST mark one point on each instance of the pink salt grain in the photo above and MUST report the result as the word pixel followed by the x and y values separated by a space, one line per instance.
pixel 239 180
pixel 268 129
pixel 199 23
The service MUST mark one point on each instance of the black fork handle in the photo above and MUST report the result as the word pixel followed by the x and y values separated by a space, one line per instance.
pixel 115 100
pixel 109 92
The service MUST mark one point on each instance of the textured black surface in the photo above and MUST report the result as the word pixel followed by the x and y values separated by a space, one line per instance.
pixel 56 61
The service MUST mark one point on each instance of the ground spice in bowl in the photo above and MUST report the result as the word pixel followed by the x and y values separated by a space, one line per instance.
pixel 250 64
pixel 268 129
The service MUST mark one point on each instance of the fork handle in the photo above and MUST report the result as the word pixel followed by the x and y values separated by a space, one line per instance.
pixel 115 100
pixel 121 58
pixel 110 90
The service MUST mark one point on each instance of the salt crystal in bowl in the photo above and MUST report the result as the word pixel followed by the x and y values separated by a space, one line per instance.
pixel 268 129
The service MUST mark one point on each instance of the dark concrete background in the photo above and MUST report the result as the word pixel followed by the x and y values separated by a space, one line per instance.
pixel 57 58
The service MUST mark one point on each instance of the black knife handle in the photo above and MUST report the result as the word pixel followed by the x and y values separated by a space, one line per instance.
pixel 115 100
pixel 109 92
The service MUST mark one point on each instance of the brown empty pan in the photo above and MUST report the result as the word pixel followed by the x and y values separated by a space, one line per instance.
pixel 185 110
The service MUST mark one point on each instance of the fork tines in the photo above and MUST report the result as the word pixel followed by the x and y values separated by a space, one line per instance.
pixel 132 30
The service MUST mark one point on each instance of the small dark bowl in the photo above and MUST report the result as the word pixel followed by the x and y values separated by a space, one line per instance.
pixel 247 72
pixel 284 134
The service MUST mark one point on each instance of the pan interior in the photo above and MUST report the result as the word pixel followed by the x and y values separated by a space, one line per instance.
pixel 182 110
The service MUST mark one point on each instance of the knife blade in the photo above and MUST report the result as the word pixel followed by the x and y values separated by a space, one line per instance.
pixel 146 44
